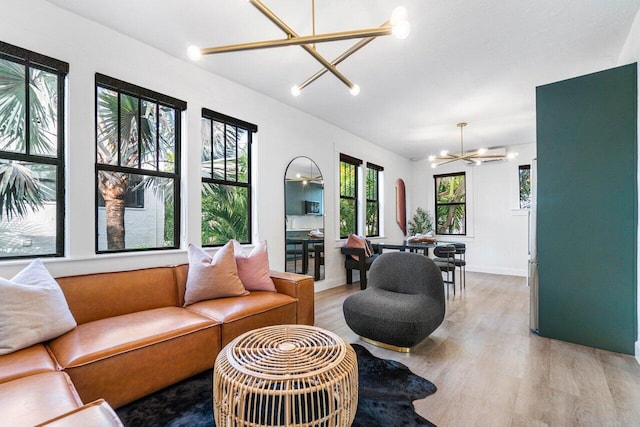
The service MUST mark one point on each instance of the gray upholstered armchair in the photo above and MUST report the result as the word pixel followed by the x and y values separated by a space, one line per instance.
pixel 403 303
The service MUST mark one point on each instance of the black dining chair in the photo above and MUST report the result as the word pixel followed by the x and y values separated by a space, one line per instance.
pixel 445 260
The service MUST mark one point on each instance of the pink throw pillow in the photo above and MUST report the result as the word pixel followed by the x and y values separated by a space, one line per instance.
pixel 355 241
pixel 253 269
pixel 210 278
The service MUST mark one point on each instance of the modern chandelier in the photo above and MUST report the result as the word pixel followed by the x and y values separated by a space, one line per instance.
pixel 471 157
pixel 396 25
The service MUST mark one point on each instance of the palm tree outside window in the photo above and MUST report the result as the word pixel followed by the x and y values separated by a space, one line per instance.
pixel 137 149
pixel 451 206
pixel 226 178
pixel 32 93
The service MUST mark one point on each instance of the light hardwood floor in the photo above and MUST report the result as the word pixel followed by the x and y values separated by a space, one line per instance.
pixel 491 371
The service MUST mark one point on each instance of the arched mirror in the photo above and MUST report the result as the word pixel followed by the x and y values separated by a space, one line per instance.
pixel 304 218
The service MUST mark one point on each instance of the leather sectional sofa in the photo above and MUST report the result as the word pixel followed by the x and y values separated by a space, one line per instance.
pixel 135 337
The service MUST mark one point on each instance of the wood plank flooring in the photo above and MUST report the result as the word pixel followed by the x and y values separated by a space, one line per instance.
pixel 491 371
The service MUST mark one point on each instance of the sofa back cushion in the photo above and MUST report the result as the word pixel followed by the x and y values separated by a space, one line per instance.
pixel 98 296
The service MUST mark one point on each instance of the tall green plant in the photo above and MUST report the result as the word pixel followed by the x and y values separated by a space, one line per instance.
pixel 421 222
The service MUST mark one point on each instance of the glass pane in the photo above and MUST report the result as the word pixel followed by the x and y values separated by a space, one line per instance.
pixel 372 184
pixel 149 134
pixel 347 179
pixel 225 214
pixel 167 139
pixel 451 189
pixel 129 130
pixel 525 187
pixel 372 219
pixel 218 150
pixel 43 110
pixel 138 211
pixel 28 209
pixel 243 155
pixel 232 136
pixel 347 217
pixel 205 158
pixel 12 106
pixel 450 219
pixel 107 123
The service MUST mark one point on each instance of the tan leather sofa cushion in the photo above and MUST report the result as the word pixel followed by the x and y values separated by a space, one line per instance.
pixel 99 296
pixel 116 335
pixel 241 314
pixel 95 414
pixel 124 358
pixel 31 400
pixel 29 361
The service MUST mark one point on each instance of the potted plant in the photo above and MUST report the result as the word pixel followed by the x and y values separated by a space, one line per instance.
pixel 421 223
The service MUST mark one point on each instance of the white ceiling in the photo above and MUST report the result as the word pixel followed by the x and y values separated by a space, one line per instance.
pixel 477 61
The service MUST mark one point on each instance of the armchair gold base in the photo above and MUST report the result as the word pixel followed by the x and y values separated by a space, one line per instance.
pixel 386 346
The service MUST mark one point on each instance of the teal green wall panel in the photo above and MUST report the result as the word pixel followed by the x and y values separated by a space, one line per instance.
pixel 587 209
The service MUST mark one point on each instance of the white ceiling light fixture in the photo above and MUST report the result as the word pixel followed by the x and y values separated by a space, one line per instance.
pixel 470 157
pixel 398 25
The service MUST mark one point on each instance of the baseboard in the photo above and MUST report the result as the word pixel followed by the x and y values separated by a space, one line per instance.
pixel 497 270
pixel 638 351
pixel 329 283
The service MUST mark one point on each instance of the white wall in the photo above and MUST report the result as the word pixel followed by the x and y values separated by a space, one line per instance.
pixel 631 53
pixel 283 134
pixel 497 230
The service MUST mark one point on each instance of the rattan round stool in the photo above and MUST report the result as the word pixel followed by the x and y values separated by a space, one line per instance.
pixel 286 375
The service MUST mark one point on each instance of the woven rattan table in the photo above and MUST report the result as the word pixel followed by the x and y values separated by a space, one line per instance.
pixel 286 375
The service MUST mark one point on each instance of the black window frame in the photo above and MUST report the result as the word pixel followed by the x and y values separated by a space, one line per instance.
pixel 251 129
pixel 375 200
pixel 435 179
pixel 29 60
pixel 143 94
pixel 356 163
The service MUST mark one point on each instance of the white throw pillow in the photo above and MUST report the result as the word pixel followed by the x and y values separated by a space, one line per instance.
pixel 32 309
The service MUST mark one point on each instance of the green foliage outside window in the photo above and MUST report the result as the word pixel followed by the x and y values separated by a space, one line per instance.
pixel 450 204
pixel 348 198
pixel 225 175
pixel 524 172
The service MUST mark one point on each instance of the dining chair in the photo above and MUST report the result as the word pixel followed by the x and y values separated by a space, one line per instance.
pixel 445 260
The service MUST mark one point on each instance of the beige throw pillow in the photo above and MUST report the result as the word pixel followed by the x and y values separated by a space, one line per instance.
pixel 210 278
pixel 33 309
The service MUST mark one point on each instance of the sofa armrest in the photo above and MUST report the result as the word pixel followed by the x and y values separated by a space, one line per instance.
pixel 347 250
pixel 299 287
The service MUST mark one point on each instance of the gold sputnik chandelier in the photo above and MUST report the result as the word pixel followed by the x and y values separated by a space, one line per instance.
pixel 396 25
pixel 471 157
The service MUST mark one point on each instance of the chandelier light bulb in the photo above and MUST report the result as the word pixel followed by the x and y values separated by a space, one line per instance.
pixel 482 151
pixel 295 90
pixel 355 90
pixel 401 30
pixel 511 155
pixel 433 165
pixel 478 162
pixel 193 52
pixel 432 158
pixel 444 153
pixel 399 14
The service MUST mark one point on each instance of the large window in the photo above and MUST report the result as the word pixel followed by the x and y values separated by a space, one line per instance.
pixel 226 178
pixel 348 195
pixel 372 190
pixel 451 208
pixel 524 178
pixel 137 167
pixel 32 92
